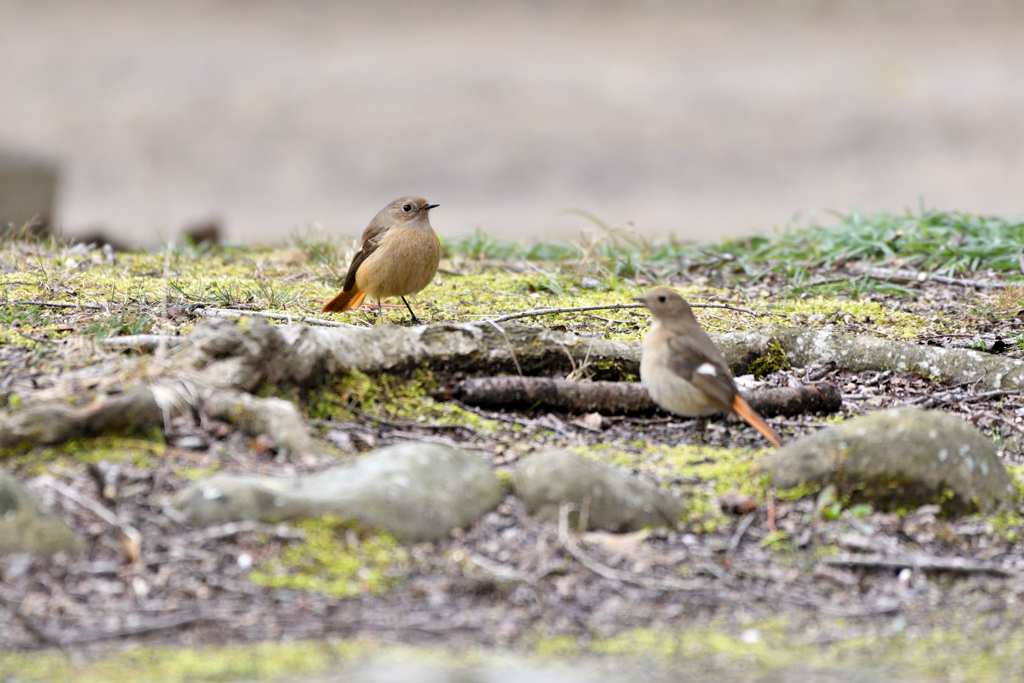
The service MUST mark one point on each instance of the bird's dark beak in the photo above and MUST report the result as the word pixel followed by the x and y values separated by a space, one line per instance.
pixel 639 299
pixel 428 207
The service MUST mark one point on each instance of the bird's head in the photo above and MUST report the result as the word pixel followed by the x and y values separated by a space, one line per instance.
pixel 664 304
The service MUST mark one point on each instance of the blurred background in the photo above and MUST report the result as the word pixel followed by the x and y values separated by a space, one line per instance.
pixel 697 119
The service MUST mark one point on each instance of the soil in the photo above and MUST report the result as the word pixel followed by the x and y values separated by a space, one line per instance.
pixel 510 580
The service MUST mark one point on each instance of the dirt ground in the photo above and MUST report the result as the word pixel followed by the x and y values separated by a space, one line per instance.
pixel 511 582
pixel 695 118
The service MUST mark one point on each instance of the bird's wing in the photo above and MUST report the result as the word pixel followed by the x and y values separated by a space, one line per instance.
pixel 710 375
pixel 369 246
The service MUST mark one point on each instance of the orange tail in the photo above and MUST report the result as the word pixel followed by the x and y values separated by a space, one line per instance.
pixel 344 301
pixel 744 410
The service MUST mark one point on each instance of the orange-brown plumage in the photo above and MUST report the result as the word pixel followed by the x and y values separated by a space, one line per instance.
pixel 683 370
pixel 344 301
pixel 399 256
pixel 743 409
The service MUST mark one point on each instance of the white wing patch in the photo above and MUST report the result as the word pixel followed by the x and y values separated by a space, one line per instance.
pixel 707 369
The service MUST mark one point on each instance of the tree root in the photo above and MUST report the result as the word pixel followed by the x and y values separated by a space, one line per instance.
pixel 241 356
pixel 619 397
pixel 56 422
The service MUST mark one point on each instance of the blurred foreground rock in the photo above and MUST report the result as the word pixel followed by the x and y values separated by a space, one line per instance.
pixel 905 457
pixel 28 191
pixel 27 525
pixel 416 491
pixel 609 497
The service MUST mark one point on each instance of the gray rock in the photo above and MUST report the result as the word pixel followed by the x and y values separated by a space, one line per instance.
pixel 27 525
pixel 416 491
pixel 614 499
pixel 903 456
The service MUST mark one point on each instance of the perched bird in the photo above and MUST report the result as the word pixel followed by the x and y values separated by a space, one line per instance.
pixel 683 370
pixel 399 256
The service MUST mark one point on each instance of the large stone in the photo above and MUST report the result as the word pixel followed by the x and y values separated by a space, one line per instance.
pixel 611 498
pixel 904 457
pixel 27 525
pixel 416 491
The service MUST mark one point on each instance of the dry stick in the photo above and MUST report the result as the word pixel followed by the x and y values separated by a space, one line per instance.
pixel 29 624
pixel 231 314
pixel 215 533
pixel 741 530
pixel 607 307
pixel 951 397
pixel 506 391
pixel 142 342
pixel 56 304
pixel 898 275
pixel 569 543
pixel 508 343
pixel 131 539
pixel 164 625
pixel 919 561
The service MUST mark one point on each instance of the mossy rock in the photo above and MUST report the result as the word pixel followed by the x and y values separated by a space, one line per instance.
pixel 27 525
pixel 613 499
pixel 416 491
pixel 899 458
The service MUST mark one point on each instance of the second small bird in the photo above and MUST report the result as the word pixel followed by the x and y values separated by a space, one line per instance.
pixel 399 256
pixel 683 370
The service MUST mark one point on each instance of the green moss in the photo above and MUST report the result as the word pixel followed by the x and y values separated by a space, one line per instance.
pixel 133 451
pixel 505 477
pixel 950 648
pixel 336 558
pixel 255 661
pixel 699 473
pixel 557 646
pixel 773 361
pixel 391 398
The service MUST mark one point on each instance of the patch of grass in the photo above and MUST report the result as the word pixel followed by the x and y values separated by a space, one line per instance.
pixel 125 322
pixel 337 559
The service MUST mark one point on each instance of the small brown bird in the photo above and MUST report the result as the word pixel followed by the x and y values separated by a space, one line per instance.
pixel 683 370
pixel 399 256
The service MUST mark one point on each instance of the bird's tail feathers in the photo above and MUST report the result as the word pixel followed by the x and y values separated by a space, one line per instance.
pixel 744 410
pixel 345 301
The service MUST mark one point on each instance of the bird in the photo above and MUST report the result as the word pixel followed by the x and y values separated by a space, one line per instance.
pixel 683 370
pixel 399 256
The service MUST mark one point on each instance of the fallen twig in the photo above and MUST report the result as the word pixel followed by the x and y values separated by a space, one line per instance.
pixel 233 314
pixel 952 397
pixel 57 304
pixel 142 342
pixel 741 530
pixel 161 625
pixel 38 632
pixel 900 275
pixel 607 307
pixel 918 561
pixel 220 531
pixel 573 548
pixel 128 535
pixel 620 397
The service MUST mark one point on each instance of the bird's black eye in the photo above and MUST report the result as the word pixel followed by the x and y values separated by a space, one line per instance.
pixel 661 299
pixel 407 208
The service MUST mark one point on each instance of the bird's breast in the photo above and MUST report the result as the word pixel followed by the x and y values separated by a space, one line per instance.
pixel 667 389
pixel 404 263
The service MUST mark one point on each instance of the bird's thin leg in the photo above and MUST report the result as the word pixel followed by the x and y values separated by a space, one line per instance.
pixel 415 320
pixel 380 309
pixel 700 429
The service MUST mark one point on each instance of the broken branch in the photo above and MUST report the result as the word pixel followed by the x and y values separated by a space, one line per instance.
pixel 620 397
